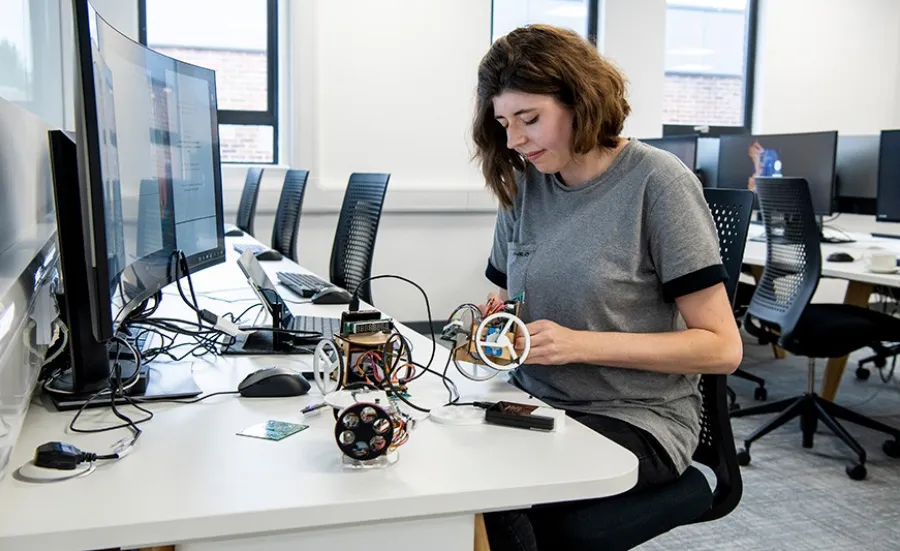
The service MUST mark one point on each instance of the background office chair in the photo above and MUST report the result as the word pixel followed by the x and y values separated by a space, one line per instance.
pixel 780 312
pixel 731 210
pixel 247 207
pixel 287 215
pixel 354 240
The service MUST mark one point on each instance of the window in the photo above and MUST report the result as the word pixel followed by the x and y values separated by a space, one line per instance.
pixel 709 65
pixel 238 39
pixel 578 15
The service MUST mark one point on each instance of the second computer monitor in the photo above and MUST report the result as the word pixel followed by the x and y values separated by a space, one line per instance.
pixel 809 155
pixel 683 147
pixel 887 204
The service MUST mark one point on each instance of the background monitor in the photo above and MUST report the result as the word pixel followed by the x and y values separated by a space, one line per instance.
pixel 683 147
pixel 856 185
pixel 140 185
pixel 887 207
pixel 810 156
pixel 708 161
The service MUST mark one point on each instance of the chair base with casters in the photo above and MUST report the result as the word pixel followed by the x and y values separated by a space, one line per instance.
pixel 760 393
pixel 879 360
pixel 852 327
pixel 811 409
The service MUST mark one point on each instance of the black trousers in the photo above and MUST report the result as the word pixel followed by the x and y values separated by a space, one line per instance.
pixel 539 528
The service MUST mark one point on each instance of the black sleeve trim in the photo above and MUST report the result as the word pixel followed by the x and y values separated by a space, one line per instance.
pixel 495 276
pixel 694 281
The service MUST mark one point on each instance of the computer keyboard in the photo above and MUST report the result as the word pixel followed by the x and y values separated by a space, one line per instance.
pixel 305 285
pixel 252 247
pixel 328 327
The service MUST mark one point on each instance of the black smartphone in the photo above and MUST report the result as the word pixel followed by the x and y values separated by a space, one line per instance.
pixel 514 414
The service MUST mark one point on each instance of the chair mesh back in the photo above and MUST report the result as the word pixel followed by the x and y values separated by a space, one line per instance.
pixel 287 215
pixel 793 254
pixel 716 447
pixel 247 207
pixel 354 240
pixel 731 210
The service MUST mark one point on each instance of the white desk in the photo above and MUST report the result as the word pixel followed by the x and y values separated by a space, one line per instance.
pixel 860 281
pixel 193 483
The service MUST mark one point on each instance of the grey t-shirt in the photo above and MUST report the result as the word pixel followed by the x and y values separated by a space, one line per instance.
pixel 612 255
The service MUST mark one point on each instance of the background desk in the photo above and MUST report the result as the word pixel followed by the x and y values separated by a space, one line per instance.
pixel 860 282
pixel 192 482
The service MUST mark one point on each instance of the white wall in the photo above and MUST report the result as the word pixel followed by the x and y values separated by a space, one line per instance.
pixel 633 35
pixel 827 65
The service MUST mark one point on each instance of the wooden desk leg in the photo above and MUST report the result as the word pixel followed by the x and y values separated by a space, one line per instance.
pixel 857 295
pixel 481 539
pixel 757 272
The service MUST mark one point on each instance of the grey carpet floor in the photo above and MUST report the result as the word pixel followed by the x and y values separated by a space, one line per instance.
pixel 801 499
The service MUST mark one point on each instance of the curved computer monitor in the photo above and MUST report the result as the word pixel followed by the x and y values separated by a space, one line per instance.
pixel 149 187
pixel 808 155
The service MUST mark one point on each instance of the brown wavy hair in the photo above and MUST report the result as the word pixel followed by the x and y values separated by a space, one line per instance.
pixel 546 60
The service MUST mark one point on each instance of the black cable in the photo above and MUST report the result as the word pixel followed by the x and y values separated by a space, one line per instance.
pixel 354 303
pixel 190 401
pixel 120 390
pixel 181 262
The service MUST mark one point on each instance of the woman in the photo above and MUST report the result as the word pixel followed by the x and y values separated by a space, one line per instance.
pixel 615 250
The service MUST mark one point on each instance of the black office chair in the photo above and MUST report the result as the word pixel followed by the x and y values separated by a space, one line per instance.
pixel 731 210
pixel 689 499
pixel 287 215
pixel 781 312
pixel 247 208
pixel 354 240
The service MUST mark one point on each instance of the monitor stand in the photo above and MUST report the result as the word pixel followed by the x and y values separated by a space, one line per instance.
pixel 167 382
pixel 267 343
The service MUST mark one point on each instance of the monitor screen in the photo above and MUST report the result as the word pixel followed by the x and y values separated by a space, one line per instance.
pixel 857 166
pixel 887 207
pixel 683 147
pixel 810 156
pixel 159 164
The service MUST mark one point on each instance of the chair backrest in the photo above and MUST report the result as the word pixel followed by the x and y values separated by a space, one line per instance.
pixel 793 254
pixel 247 207
pixel 354 240
pixel 287 215
pixel 731 210
pixel 716 447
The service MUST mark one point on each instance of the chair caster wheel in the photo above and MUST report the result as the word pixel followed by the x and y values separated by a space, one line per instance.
pixel 891 448
pixel 743 457
pixel 760 394
pixel 862 373
pixel 856 471
pixel 880 362
pixel 734 407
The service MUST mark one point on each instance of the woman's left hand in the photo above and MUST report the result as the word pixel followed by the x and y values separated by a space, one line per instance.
pixel 551 343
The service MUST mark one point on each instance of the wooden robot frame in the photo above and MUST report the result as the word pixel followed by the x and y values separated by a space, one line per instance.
pixel 483 346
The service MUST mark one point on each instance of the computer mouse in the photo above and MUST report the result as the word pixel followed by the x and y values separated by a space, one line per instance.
pixel 234 233
pixel 273 382
pixel 840 257
pixel 268 254
pixel 331 295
